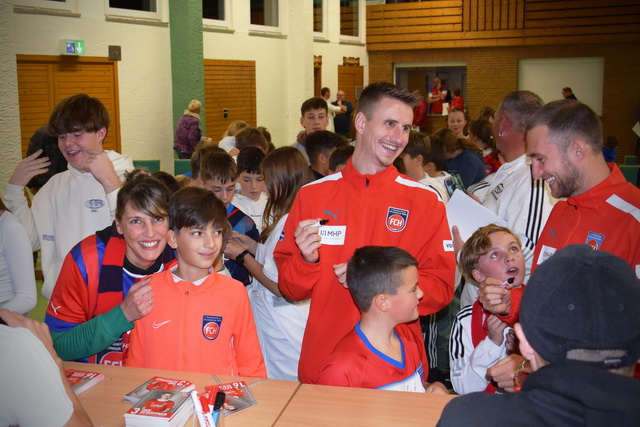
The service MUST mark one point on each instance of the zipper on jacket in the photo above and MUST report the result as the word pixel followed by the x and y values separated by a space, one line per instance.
pixel 186 305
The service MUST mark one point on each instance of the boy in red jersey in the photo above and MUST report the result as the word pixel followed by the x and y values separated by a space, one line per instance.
pixel 201 320
pixel 382 351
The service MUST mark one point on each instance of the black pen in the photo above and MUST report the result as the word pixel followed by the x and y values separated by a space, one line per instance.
pixel 318 223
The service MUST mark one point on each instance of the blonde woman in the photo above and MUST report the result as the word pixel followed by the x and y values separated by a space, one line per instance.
pixel 188 133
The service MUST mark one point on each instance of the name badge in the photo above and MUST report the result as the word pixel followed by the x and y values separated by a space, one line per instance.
pixel 545 253
pixel 332 234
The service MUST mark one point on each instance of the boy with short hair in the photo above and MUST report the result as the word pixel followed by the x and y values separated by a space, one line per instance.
pixel 251 137
pixel 219 173
pixel 382 351
pixel 196 158
pixel 314 116
pixel 201 321
pixel 435 163
pixel 320 145
pixel 340 157
pixel 251 199
pixel 414 157
pixel 478 338
pixel 75 203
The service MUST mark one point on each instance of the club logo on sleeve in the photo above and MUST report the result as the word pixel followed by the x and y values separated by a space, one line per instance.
pixel 397 219
pixel 594 240
pixel 211 327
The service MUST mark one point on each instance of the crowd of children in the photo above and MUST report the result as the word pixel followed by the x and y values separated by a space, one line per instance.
pixel 211 273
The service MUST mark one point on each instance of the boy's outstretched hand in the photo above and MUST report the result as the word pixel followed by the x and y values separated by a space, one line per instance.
pixel 29 167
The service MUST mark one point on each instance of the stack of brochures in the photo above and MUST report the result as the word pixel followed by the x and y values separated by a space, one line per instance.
pixel 158 383
pixel 160 408
pixel 82 380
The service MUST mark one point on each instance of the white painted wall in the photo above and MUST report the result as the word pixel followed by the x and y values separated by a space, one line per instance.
pixel 284 65
pixel 284 69
pixel 547 77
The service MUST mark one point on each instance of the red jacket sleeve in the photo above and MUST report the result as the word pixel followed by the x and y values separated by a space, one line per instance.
pixel 514 313
pixel 436 263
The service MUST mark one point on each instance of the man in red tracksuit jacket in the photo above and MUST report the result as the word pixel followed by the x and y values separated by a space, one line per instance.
pixel 602 209
pixel 368 203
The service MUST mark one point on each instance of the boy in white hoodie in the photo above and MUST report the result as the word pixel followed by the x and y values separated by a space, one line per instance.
pixel 74 203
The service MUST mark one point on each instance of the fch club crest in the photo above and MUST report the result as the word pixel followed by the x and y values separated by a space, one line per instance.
pixel 594 240
pixel 211 327
pixel 397 219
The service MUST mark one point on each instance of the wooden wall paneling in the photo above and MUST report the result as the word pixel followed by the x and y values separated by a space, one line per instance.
pixel 434 11
pixel 584 13
pixel 571 4
pixel 488 14
pixel 496 9
pixel 520 13
pixel 610 34
pixel 504 14
pixel 417 25
pixel 588 23
pixel 466 15
pixel 511 20
pixel 473 15
pixel 451 24
pixel 482 15
pixel 401 9
pixel 229 85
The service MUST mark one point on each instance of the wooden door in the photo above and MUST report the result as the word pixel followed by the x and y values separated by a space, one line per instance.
pixel 351 81
pixel 45 80
pixel 228 86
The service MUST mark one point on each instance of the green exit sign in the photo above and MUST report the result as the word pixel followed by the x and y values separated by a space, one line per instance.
pixel 72 47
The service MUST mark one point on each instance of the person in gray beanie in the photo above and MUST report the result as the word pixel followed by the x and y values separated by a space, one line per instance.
pixel 580 331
